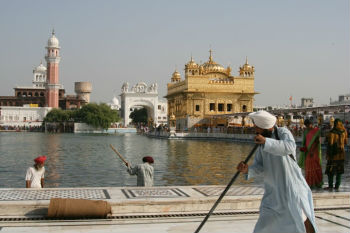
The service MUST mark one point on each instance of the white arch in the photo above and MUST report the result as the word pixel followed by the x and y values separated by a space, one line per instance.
pixel 139 95
pixel 141 103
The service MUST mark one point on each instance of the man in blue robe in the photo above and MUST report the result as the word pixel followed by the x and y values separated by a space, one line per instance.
pixel 287 204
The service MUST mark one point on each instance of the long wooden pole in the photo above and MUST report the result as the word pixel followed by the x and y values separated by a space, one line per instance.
pixel 225 191
pixel 120 156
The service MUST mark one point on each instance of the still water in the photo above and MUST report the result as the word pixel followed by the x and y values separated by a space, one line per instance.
pixel 86 160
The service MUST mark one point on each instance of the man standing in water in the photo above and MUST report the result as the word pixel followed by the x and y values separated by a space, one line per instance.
pixel 144 172
pixel 35 174
pixel 287 204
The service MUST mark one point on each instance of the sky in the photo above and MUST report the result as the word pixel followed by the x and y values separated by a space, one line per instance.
pixel 299 48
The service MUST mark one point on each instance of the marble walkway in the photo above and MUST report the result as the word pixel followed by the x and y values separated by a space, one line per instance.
pixel 160 209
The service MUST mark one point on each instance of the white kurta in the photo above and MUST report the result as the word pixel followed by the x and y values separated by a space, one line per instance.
pixel 35 176
pixel 144 173
pixel 286 191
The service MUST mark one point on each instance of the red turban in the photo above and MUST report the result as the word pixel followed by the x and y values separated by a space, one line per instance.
pixel 148 159
pixel 40 159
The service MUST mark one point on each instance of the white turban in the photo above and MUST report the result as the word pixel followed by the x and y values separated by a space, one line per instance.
pixel 263 119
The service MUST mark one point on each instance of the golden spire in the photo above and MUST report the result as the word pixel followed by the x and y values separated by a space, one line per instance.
pixel 246 60
pixel 210 56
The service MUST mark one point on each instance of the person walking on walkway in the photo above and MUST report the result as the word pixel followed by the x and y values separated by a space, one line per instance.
pixel 336 141
pixel 310 157
pixel 287 204
pixel 144 172
pixel 35 174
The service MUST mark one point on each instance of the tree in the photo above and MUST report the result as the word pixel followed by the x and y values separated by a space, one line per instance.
pixel 97 115
pixel 59 115
pixel 139 116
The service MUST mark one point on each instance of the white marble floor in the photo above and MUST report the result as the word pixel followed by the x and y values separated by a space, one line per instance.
pixel 330 221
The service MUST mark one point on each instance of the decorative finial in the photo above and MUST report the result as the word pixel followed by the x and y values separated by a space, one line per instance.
pixel 191 58
pixel 210 56
pixel 53 31
pixel 246 60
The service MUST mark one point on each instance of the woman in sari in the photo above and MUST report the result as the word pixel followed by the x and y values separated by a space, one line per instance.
pixel 310 155
pixel 337 139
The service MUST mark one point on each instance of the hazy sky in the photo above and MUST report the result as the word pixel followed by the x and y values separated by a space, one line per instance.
pixel 298 47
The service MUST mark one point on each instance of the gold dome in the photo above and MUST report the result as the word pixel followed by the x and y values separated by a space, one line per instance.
pixel 246 70
pixel 212 66
pixel 176 74
pixel 176 77
pixel 246 66
pixel 191 64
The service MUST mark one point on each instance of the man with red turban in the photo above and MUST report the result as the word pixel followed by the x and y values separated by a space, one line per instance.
pixel 144 172
pixel 35 174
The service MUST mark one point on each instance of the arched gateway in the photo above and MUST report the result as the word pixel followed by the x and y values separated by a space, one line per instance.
pixel 141 95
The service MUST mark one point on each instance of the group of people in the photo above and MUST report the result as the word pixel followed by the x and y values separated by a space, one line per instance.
pixel 287 204
pixel 310 158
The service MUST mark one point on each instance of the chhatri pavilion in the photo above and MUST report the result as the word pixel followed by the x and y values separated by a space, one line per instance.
pixel 209 90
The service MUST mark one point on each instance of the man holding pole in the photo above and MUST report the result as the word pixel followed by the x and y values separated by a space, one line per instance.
pixel 144 172
pixel 287 204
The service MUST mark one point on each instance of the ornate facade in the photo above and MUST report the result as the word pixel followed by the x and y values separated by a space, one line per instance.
pixel 141 95
pixel 209 90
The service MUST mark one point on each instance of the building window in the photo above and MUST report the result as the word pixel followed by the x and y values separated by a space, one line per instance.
pixel 164 118
pixel 220 107
pixel 159 118
pixel 229 107
pixel 197 108
pixel 159 107
pixel 244 108
pixel 212 106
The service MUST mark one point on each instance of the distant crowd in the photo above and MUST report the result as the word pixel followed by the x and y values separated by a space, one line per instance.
pixel 296 130
pixel 21 128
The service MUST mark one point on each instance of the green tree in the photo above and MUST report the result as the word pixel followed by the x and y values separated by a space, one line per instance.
pixel 58 115
pixel 139 116
pixel 97 115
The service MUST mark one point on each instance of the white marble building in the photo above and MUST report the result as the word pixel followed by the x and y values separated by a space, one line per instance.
pixel 114 104
pixel 22 116
pixel 142 95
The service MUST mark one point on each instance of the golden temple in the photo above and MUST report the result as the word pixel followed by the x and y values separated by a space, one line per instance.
pixel 209 90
